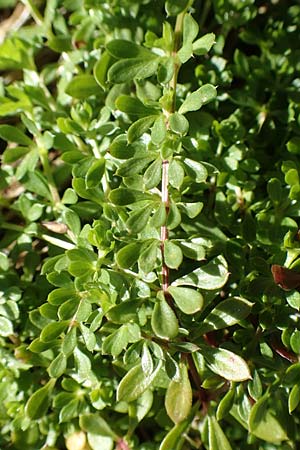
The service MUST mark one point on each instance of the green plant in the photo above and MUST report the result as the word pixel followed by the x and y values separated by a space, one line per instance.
pixel 149 180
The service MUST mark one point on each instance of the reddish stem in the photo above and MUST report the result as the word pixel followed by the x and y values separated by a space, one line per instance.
pixel 122 445
pixel 164 230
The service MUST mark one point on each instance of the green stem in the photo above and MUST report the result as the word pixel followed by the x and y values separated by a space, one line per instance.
pixel 205 11
pixel 45 237
pixel 48 173
pixel 164 233
pixel 34 11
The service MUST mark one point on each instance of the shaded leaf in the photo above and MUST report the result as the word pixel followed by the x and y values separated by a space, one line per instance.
pixel 211 276
pixel 188 300
pixel 163 321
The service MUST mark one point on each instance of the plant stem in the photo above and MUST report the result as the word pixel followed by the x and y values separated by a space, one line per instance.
pixel 164 230
pixel 164 234
pixel 48 173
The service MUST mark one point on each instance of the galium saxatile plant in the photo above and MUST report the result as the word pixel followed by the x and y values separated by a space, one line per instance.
pixel 145 242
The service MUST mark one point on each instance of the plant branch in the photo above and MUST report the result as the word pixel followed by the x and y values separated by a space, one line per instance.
pixel 164 234
pixel 48 173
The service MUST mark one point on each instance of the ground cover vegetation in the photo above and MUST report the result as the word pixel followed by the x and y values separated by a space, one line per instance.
pixel 149 180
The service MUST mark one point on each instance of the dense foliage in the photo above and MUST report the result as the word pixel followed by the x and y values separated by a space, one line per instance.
pixel 149 179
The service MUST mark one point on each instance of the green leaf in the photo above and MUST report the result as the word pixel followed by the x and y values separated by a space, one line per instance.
pixel 176 174
pixel 136 382
pixel 175 7
pixel 95 173
pixel 124 196
pixel 195 170
pixel 138 128
pixel 163 321
pixel 58 366
pixel 134 106
pixel 166 70
pixel 88 337
pixel 178 400
pixel 159 130
pixel 72 220
pixel 193 250
pixel 174 217
pixel 294 398
pixel 128 255
pixel 133 68
pixel 148 257
pixel 264 425
pixel 69 342
pixel 121 48
pixel 174 439
pixel 190 29
pixel 225 404
pixel 226 363
pixel 69 197
pixel 146 360
pixel 139 218
pixel 188 300
pixel 142 406
pixel 191 209
pixel 133 166
pixel 96 442
pixel 293 145
pixel 202 45
pixel 152 175
pixel 197 99
pixel 292 177
pixel 118 340
pixel 95 424
pixel 159 217
pixel 39 402
pixel 226 314
pixel 120 149
pixel 69 410
pixel 83 86
pixel 178 123
pixel 172 254
pixel 295 341
pixel 53 330
pixel 13 134
pixel 101 68
pixel 216 437
pixel 211 276
pixel 83 365
pixel 125 312
pixel 12 154
pixel 6 327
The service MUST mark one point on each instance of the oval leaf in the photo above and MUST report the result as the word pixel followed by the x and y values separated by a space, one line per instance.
pixel 135 383
pixel 95 424
pixel 188 300
pixel 211 276
pixel 225 314
pixel 38 403
pixel 178 400
pixel 164 321
pixel 198 98
pixel 226 364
